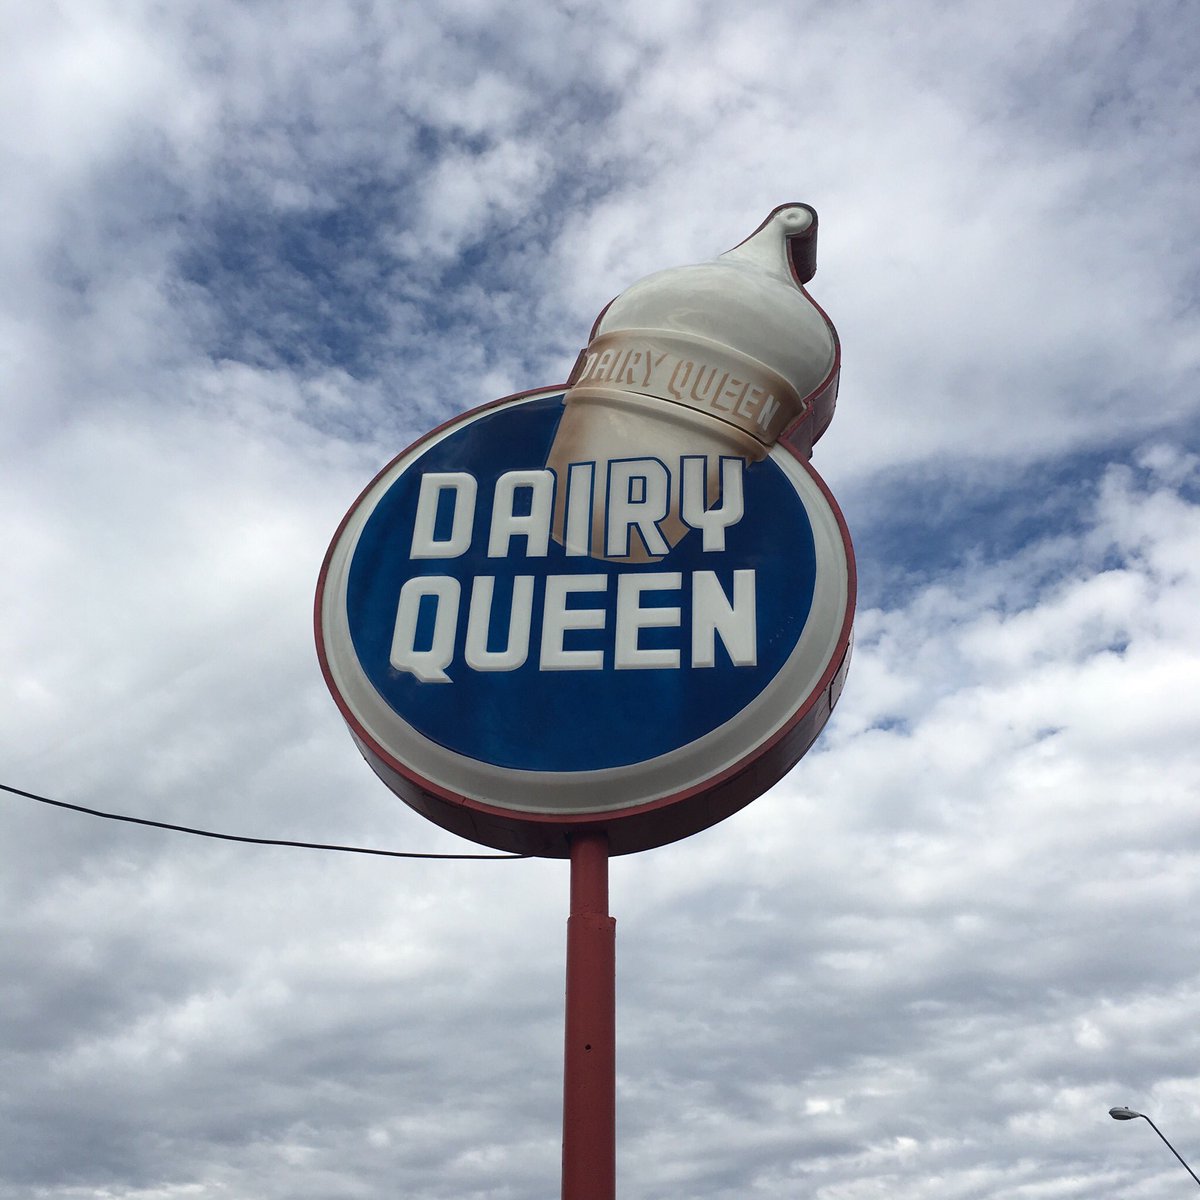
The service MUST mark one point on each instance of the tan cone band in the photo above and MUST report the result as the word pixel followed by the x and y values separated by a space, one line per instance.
pixel 689 370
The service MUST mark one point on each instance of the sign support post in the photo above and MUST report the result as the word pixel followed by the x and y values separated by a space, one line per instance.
pixel 589 1072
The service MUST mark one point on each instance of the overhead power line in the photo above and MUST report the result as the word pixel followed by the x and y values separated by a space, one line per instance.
pixel 254 841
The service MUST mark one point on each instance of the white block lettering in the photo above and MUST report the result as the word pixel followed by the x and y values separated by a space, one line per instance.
pixel 558 618
pixel 712 522
pixel 632 619
pixel 639 496
pixel 581 482
pixel 479 623
pixel 463 489
pixel 429 666
pixel 736 622
pixel 533 526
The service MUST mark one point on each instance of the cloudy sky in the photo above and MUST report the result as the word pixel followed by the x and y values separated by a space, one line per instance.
pixel 250 251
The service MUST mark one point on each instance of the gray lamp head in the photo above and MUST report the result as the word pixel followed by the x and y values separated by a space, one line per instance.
pixel 1124 1114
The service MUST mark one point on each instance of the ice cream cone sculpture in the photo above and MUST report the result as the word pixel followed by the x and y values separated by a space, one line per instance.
pixel 692 367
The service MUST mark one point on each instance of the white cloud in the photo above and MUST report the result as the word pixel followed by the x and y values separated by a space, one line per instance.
pixel 248 257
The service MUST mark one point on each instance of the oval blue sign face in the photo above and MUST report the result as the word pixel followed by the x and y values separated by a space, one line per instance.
pixel 585 630
pixel 509 651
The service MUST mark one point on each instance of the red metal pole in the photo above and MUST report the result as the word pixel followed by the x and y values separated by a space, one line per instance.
pixel 590 1062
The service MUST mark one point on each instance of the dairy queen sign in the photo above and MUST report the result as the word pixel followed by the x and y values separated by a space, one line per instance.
pixel 595 618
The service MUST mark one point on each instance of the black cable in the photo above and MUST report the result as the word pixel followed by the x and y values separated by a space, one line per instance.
pixel 233 837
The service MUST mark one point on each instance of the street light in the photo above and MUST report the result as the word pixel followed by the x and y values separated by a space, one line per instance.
pixel 1127 1114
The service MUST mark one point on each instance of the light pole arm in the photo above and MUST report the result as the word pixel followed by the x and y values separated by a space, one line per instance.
pixel 1170 1147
